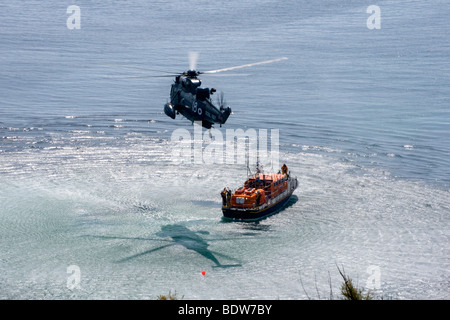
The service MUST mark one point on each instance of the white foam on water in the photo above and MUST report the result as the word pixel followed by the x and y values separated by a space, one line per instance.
pixel 105 209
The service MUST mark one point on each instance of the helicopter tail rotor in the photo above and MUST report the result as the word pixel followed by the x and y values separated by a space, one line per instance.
pixel 221 101
pixel 225 110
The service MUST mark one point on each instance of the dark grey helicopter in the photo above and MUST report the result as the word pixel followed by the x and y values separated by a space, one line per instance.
pixel 193 102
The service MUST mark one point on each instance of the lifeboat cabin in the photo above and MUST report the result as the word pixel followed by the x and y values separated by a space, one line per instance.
pixel 258 190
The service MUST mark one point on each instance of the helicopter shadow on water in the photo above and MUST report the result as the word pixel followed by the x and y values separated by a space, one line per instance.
pixel 181 235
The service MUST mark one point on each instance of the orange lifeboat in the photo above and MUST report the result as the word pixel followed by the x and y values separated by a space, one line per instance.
pixel 262 195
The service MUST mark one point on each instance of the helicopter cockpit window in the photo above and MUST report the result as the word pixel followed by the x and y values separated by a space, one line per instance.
pixel 191 84
pixel 196 82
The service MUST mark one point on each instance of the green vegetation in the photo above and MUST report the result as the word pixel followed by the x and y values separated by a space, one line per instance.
pixel 168 297
pixel 350 292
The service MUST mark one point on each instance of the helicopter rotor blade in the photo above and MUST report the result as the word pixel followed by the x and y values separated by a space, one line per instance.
pixel 243 66
pixel 193 57
pixel 225 74
pixel 160 76
pixel 136 68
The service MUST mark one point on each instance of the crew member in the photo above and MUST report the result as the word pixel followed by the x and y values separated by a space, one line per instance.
pixel 258 197
pixel 228 197
pixel 224 196
pixel 284 169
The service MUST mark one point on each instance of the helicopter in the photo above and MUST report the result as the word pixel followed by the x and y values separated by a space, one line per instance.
pixel 189 99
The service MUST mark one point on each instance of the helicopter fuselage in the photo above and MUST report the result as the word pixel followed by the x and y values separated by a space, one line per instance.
pixel 194 103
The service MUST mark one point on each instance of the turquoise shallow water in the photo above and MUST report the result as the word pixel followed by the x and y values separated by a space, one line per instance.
pixel 86 169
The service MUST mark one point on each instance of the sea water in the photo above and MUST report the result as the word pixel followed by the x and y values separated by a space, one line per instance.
pixel 92 205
